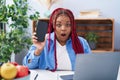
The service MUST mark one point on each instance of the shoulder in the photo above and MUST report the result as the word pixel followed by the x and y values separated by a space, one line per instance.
pixel 82 39
pixel 51 37
pixel 85 44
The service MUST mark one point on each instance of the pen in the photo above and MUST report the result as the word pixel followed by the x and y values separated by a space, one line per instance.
pixel 36 77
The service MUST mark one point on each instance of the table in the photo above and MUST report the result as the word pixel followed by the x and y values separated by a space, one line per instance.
pixel 48 75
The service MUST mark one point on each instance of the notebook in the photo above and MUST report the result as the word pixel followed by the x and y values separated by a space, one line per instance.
pixel 96 66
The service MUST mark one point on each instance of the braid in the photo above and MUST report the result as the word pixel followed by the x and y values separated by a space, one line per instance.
pixel 77 46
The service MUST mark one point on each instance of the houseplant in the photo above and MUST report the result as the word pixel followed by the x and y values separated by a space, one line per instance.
pixel 17 38
pixel 92 38
pixel 3 10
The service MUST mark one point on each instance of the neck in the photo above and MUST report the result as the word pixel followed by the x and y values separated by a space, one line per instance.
pixel 62 42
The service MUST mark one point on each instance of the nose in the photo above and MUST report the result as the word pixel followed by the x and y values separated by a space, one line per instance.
pixel 63 27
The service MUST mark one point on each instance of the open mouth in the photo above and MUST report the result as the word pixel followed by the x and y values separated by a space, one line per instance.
pixel 63 35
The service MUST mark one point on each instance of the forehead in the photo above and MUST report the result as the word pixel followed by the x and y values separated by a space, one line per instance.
pixel 63 18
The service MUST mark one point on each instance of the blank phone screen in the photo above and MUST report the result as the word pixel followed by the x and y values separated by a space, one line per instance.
pixel 41 30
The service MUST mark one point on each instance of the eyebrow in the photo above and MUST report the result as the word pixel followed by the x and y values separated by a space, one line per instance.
pixel 60 21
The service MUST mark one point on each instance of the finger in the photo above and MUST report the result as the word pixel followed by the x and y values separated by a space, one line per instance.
pixel 34 40
pixel 34 33
pixel 34 37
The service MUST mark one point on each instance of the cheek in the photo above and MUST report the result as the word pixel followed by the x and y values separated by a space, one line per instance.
pixel 69 30
pixel 57 29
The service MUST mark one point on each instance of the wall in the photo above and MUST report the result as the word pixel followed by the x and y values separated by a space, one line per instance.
pixel 108 9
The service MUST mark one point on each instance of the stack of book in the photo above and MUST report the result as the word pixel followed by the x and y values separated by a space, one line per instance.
pixel 90 13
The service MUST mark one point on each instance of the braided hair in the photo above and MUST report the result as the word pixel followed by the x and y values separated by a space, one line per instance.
pixel 77 46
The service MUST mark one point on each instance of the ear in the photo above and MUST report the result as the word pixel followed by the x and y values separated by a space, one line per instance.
pixel 54 28
pixel 53 24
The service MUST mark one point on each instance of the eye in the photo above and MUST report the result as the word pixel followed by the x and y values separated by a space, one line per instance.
pixel 58 25
pixel 68 25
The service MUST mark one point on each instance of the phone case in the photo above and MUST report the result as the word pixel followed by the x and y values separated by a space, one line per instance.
pixel 41 30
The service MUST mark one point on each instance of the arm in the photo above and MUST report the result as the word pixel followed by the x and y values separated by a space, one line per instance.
pixel 31 60
pixel 33 56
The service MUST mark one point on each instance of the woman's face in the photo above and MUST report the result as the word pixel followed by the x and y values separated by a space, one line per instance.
pixel 62 29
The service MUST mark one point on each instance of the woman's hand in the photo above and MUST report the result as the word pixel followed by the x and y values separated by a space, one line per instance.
pixel 39 45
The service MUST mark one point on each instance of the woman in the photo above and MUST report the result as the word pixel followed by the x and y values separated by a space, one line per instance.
pixel 58 51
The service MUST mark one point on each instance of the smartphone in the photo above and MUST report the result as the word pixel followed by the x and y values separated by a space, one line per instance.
pixel 41 30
